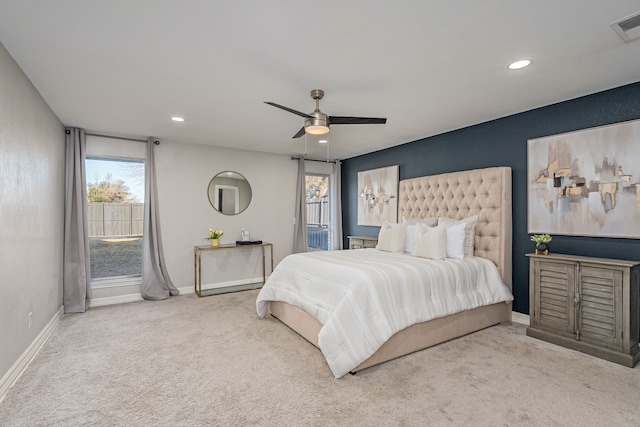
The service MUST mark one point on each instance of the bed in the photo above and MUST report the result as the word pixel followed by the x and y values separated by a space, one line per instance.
pixel 485 193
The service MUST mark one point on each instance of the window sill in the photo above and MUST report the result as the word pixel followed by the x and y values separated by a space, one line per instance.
pixel 116 282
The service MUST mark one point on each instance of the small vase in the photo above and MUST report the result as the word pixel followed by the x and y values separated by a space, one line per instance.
pixel 215 243
pixel 542 249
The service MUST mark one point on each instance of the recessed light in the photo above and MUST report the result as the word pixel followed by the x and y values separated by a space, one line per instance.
pixel 177 119
pixel 520 63
pixel 322 141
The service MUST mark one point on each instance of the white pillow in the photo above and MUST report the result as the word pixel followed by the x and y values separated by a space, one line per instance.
pixel 430 221
pixel 469 231
pixel 431 242
pixel 455 241
pixel 391 237
pixel 410 239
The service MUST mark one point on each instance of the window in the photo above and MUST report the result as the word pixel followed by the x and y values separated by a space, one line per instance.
pixel 115 209
pixel 318 220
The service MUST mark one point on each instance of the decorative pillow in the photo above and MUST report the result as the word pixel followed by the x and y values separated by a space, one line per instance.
pixel 469 231
pixel 410 242
pixel 410 239
pixel 431 222
pixel 431 242
pixel 455 240
pixel 391 237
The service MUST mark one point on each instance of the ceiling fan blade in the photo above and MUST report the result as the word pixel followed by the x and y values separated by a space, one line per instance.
pixel 341 120
pixel 305 115
pixel 299 134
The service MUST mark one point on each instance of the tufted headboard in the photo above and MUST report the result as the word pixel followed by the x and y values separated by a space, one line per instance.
pixel 482 192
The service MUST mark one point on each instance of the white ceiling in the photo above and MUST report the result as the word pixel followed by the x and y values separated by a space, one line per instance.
pixel 123 67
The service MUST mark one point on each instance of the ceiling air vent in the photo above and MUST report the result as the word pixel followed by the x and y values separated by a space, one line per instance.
pixel 628 28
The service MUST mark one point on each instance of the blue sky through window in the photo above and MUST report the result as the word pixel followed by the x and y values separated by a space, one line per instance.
pixel 129 171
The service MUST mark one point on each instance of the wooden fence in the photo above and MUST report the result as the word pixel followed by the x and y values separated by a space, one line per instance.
pixel 115 219
pixel 126 219
pixel 318 212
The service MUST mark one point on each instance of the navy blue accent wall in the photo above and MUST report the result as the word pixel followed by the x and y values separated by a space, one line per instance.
pixel 503 142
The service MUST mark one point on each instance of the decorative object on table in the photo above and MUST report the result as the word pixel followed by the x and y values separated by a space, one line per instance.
pixel 245 235
pixel 248 242
pixel 378 196
pixel 542 243
pixel 214 236
pixel 586 183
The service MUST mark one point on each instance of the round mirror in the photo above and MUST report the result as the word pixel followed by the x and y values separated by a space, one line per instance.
pixel 229 193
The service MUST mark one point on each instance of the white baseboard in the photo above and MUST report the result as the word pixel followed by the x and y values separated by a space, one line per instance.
pixel 207 286
pixel 520 318
pixel 186 290
pixel 230 283
pixel 120 299
pixel 29 354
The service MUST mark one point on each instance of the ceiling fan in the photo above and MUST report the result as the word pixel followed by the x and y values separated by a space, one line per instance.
pixel 317 123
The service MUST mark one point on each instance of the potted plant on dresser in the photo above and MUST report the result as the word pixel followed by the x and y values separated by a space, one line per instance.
pixel 542 243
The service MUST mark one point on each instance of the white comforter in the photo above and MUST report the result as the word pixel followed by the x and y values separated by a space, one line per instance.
pixel 362 297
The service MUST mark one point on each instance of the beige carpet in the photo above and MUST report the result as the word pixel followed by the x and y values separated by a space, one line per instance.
pixel 210 361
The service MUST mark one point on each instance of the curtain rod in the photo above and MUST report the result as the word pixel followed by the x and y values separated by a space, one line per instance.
pixel 313 160
pixel 117 137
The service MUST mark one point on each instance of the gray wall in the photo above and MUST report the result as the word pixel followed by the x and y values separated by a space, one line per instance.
pixel 32 209
pixel 31 212
pixel 503 142
pixel 183 175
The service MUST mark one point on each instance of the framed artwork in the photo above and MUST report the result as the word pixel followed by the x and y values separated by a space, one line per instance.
pixel 378 196
pixel 586 183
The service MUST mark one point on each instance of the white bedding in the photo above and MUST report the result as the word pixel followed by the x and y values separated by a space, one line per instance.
pixel 362 297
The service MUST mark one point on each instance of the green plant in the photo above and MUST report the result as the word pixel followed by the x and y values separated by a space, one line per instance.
pixel 214 234
pixel 541 238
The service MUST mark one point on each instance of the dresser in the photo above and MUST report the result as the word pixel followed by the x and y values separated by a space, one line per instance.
pixel 359 242
pixel 586 304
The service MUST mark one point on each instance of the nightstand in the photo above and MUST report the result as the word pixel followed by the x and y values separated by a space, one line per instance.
pixel 360 242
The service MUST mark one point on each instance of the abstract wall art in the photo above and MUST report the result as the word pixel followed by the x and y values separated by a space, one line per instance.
pixel 586 183
pixel 378 196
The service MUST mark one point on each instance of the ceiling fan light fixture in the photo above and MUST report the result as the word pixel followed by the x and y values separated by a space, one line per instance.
pixel 316 126
pixel 317 130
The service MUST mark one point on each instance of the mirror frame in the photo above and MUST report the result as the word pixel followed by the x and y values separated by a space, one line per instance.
pixel 214 203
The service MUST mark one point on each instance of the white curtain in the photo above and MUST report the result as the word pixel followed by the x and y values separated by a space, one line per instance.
pixel 156 283
pixel 76 285
pixel 300 238
pixel 335 195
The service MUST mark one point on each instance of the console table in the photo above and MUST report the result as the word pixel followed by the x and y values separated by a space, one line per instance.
pixel 197 257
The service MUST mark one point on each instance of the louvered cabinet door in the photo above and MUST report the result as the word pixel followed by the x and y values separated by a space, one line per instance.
pixel 553 307
pixel 600 308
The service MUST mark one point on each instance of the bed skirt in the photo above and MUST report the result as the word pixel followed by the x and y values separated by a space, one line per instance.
pixel 416 337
